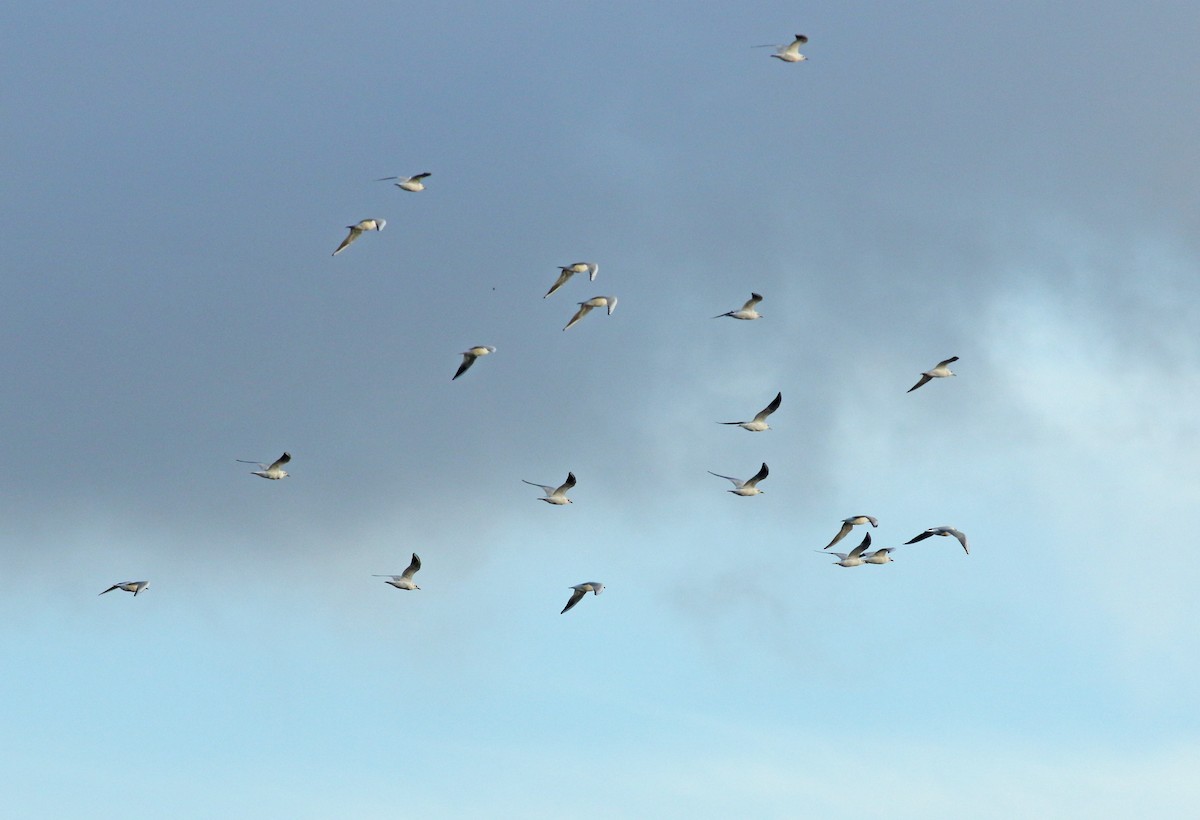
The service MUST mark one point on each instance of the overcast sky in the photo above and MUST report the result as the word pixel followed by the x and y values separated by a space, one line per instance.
pixel 1016 184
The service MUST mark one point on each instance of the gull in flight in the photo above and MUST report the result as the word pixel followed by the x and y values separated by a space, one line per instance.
pixel 854 558
pixel 273 472
pixel 593 587
pixel 747 310
pixel 879 556
pixel 759 422
pixel 469 357
pixel 748 487
pixel 570 270
pixel 940 372
pixel 848 523
pixel 412 183
pixel 962 539
pixel 129 586
pixel 357 230
pixel 790 53
pixel 556 495
pixel 586 307
pixel 405 579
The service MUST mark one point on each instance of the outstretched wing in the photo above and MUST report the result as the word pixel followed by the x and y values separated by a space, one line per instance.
pixel 545 489
pixel 759 476
pixel 566 274
pixel 861 548
pixel 576 597
pixel 920 537
pixel 412 567
pixel 468 360
pixel 584 310
pixel 566 485
pixel 279 462
pixel 924 379
pixel 770 408
pixel 951 360
pixel 842 533
pixel 355 233
pixel 737 482
pixel 752 301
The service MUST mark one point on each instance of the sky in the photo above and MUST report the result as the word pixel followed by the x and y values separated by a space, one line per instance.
pixel 1016 184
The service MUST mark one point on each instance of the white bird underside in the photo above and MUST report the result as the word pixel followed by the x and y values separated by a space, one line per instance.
pixel 273 471
pixel 412 183
pixel 405 579
pixel 747 487
pixel 941 371
pixel 746 311
pixel 791 52
pixel 555 495
pixel 759 422
pixel 593 587
pixel 357 230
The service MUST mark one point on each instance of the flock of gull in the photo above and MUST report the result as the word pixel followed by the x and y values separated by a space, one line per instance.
pixel 557 496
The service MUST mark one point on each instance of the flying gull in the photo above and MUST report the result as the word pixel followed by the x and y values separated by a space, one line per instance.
pixel 748 487
pixel 593 587
pixel 272 472
pixel 747 310
pixel 412 183
pixel 130 586
pixel 854 558
pixel 848 523
pixel 469 357
pixel 759 422
pixel 939 372
pixel 570 270
pixel 556 495
pixel 586 307
pixel 879 556
pixel 790 53
pixel 962 538
pixel 357 230
pixel 405 579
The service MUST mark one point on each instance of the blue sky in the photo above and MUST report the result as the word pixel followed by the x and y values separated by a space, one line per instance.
pixel 1015 185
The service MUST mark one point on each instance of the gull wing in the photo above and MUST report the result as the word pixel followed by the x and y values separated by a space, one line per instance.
pixel 737 482
pixel 951 360
pixel 924 379
pixel 468 360
pixel 261 466
pixel 861 548
pixel 111 588
pixel 412 567
pixel 584 310
pixel 545 489
pixel 566 485
pixel 279 462
pixel 576 597
pixel 752 301
pixel 419 177
pixel 612 304
pixel 842 533
pixel 355 233
pixel 920 537
pixel 759 476
pixel 962 538
pixel 770 408
pixel 592 270
pixel 566 274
